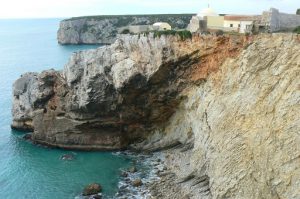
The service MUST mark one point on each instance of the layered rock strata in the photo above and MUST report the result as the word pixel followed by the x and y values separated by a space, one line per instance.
pixel 237 134
pixel 108 97
pixel 228 107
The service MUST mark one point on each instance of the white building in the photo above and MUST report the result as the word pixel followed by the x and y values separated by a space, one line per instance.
pixel 162 26
pixel 137 29
pixel 238 23
pixel 206 18
pixel 246 26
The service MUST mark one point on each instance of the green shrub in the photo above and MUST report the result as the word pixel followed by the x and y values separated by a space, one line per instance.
pixel 219 33
pixel 146 33
pixel 175 20
pixel 297 30
pixel 125 31
pixel 159 33
pixel 298 11
pixel 183 34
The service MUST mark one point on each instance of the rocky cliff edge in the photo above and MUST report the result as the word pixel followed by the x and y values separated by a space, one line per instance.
pixel 108 97
pixel 229 105
pixel 104 29
pixel 237 134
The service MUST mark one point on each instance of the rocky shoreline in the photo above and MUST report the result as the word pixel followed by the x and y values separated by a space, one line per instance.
pixel 135 180
pixel 160 180
pixel 223 111
pixel 159 176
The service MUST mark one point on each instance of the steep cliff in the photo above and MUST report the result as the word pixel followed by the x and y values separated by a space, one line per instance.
pixel 229 105
pixel 108 97
pixel 240 129
pixel 104 29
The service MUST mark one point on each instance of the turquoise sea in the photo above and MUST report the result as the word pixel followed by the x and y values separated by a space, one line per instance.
pixel 34 172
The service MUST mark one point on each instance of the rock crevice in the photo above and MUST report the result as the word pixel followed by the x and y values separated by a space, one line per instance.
pixel 108 97
pixel 226 108
pixel 245 124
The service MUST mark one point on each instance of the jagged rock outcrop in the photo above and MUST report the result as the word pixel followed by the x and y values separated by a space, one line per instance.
pixel 229 104
pixel 104 29
pixel 108 97
pixel 240 129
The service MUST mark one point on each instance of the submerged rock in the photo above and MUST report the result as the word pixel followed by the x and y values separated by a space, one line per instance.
pixel 27 136
pixel 96 197
pixel 124 174
pixel 132 169
pixel 137 182
pixel 92 189
pixel 67 157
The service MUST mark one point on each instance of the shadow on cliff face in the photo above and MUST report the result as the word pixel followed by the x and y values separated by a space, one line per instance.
pixel 115 95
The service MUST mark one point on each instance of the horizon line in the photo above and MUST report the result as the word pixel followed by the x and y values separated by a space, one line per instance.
pixel 67 17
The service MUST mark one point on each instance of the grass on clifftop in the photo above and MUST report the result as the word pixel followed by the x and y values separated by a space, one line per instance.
pixel 101 17
pixel 183 34
pixel 179 21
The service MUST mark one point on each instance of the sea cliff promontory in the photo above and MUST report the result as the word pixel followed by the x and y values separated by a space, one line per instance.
pixel 226 108
pixel 104 29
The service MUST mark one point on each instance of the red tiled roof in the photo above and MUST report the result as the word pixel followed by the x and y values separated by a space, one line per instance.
pixel 239 17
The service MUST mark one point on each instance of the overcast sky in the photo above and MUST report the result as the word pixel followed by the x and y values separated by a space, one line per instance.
pixel 68 8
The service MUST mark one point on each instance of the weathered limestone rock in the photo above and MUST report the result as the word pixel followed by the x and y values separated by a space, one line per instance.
pixel 197 24
pixel 108 97
pixel 104 98
pixel 104 29
pixel 31 91
pixel 244 125
pixel 229 105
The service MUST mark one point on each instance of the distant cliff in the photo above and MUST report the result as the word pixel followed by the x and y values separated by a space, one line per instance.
pixel 104 29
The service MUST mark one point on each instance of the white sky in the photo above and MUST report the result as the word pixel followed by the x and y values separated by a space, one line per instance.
pixel 70 8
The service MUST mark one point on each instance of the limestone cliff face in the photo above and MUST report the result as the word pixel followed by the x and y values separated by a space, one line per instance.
pixel 104 29
pixel 103 96
pixel 231 103
pixel 242 126
pixel 108 97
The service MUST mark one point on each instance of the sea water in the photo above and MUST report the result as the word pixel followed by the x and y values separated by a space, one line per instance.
pixel 26 170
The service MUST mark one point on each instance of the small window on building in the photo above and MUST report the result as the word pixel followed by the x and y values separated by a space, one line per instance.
pixel 231 25
pixel 239 25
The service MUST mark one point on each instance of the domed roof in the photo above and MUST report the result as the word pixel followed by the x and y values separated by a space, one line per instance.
pixel 207 12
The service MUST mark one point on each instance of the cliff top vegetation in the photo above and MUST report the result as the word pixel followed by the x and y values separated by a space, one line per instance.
pixel 101 17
